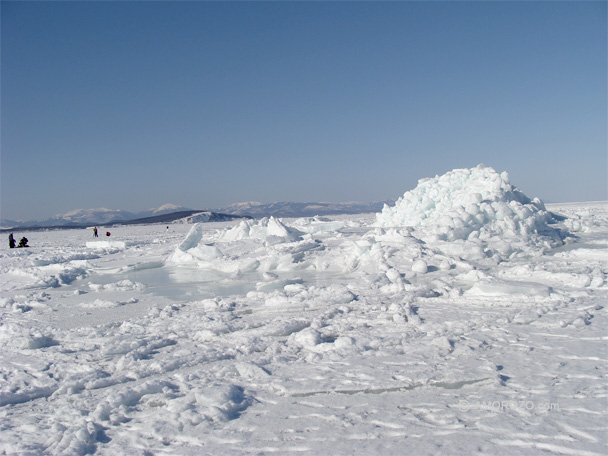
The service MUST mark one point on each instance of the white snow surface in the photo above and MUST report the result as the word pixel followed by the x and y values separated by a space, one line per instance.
pixel 324 335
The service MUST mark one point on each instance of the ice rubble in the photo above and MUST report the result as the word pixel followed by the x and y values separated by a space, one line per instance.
pixel 192 248
pixel 474 214
pixel 252 245
pixel 469 204
pixel 250 251
pixel 266 229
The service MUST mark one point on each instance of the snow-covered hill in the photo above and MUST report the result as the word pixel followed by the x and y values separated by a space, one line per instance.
pixel 208 216
pixel 100 216
pixel 87 216
pixel 164 209
pixel 294 209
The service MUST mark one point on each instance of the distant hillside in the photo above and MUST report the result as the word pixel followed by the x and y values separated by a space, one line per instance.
pixel 90 217
pixel 207 216
pixel 171 212
pixel 87 216
pixel 291 209
pixel 186 217
pixel 190 216
pixel 165 209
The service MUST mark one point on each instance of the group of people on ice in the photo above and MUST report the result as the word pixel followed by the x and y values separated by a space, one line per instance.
pixel 22 243
pixel 95 232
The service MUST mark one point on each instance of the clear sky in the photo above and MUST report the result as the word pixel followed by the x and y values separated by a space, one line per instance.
pixel 131 105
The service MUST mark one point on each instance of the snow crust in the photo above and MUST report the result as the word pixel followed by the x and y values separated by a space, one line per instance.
pixel 370 334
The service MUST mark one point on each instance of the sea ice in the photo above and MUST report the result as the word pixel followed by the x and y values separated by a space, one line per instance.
pixel 455 322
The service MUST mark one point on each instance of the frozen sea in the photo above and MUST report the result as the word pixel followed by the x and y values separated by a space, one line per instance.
pixel 334 335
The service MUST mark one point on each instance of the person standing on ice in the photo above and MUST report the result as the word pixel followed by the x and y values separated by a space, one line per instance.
pixel 95 232
pixel 11 241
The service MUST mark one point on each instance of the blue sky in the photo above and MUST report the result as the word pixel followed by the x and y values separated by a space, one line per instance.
pixel 131 105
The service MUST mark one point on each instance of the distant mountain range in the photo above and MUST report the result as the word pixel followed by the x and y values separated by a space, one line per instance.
pixel 189 216
pixel 99 216
pixel 291 209
pixel 170 212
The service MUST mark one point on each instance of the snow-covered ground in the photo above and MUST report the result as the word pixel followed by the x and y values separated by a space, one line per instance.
pixel 466 319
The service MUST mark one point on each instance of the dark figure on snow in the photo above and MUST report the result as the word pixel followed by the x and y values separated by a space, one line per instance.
pixel 11 241
pixel 95 232
pixel 23 242
pixel 107 233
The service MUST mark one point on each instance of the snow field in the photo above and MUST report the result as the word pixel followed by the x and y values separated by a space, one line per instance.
pixel 312 335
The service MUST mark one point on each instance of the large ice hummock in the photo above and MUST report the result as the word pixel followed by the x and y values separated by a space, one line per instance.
pixel 466 204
